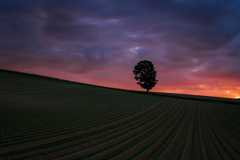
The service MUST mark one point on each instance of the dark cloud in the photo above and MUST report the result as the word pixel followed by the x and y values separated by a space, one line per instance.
pixel 16 7
pixel 68 32
pixel 192 43
pixel 220 68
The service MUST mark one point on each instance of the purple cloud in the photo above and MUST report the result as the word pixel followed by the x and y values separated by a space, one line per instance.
pixel 193 44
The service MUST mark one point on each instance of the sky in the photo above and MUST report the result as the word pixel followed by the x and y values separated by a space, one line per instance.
pixel 194 45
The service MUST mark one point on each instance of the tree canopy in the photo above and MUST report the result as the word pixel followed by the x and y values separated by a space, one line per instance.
pixel 145 74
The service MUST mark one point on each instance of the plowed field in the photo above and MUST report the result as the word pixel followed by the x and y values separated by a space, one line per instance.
pixel 43 118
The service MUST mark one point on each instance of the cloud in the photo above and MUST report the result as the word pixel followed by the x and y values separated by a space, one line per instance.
pixel 191 43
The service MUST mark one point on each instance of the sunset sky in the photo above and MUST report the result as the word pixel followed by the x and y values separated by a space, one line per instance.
pixel 193 44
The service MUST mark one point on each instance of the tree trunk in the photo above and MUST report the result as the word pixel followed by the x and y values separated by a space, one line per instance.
pixel 147 90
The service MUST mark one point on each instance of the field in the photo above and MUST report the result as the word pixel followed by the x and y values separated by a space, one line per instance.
pixel 44 118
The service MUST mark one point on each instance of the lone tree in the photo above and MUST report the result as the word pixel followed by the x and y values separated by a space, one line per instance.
pixel 145 74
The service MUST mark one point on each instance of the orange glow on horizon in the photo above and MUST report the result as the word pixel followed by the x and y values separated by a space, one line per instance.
pixel 224 88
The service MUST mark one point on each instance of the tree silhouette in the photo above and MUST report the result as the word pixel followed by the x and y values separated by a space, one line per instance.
pixel 145 74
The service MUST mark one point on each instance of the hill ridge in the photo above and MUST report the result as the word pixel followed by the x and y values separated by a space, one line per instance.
pixel 173 95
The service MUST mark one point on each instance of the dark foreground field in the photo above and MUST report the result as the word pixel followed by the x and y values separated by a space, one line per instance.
pixel 44 118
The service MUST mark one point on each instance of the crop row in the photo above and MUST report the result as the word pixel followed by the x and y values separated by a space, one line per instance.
pixel 167 127
pixel 142 118
pixel 89 125
pixel 227 121
pixel 47 113
pixel 140 135
pixel 169 140
pixel 72 145
pixel 46 124
pixel 221 138
pixel 141 140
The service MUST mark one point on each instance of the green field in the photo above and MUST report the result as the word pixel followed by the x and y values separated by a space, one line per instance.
pixel 46 118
